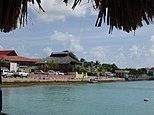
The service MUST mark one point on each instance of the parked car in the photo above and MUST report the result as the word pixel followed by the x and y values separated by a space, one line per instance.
pixel 39 72
pixel 51 72
pixel 21 73
pixel 59 73
pixel 10 74
pixel 6 73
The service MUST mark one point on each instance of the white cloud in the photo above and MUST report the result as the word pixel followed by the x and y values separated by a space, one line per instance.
pixel 137 55
pixel 57 10
pixel 47 51
pixel 149 51
pixel 69 41
pixel 21 51
pixel 134 51
pixel 98 53
pixel 152 38
pixel 1 47
pixel 120 57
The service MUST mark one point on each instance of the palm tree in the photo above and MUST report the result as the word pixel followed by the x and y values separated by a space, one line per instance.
pixel 51 65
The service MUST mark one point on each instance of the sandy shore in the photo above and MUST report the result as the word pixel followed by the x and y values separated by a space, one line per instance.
pixel 16 82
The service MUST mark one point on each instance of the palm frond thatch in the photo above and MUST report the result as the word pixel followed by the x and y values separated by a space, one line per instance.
pixel 12 12
pixel 126 15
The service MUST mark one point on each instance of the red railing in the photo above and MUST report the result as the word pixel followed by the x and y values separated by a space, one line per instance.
pixel 42 76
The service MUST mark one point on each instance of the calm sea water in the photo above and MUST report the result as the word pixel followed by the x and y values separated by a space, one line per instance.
pixel 119 98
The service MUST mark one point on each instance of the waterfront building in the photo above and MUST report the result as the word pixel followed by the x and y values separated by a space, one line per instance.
pixel 121 73
pixel 150 71
pixel 13 61
pixel 65 60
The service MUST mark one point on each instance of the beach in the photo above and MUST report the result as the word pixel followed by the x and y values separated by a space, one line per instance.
pixel 29 81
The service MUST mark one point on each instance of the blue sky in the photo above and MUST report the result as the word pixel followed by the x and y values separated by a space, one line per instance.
pixel 61 28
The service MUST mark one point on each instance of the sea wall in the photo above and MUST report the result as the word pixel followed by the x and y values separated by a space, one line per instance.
pixel 138 78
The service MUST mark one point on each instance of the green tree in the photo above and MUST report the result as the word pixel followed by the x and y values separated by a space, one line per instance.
pixel 83 62
pixel 150 73
pixel 3 63
pixel 113 68
pixel 81 69
pixel 51 65
pixel 142 71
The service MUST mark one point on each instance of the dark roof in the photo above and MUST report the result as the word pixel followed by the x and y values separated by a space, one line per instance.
pixel 59 54
pixel 60 60
pixel 8 52
pixel 63 54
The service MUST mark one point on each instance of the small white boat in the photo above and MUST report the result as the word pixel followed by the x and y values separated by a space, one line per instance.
pixel 146 99
pixel 92 81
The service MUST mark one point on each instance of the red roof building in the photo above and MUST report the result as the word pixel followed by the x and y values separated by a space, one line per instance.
pixel 11 55
pixel 8 52
pixel 150 71
pixel 152 68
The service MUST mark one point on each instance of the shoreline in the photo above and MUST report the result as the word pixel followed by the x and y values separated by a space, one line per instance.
pixel 21 82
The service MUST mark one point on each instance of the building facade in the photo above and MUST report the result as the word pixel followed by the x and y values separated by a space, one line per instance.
pixel 65 60
pixel 13 61
pixel 150 71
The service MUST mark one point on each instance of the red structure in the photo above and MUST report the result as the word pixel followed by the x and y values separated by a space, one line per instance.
pixel 11 56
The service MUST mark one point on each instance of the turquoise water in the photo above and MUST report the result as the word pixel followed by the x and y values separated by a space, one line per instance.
pixel 118 98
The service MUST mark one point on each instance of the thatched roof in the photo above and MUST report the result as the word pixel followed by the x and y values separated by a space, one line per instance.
pixel 126 15
pixel 61 58
pixel 12 12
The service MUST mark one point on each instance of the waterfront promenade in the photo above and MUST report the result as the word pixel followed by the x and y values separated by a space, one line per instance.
pixel 53 79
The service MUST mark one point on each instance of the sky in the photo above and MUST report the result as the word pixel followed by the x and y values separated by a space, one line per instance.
pixel 61 28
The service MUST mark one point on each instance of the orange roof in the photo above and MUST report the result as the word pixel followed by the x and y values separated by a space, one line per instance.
pixel 18 58
pixel 151 68
pixel 8 52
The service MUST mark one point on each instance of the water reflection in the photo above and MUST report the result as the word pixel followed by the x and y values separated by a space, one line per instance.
pixel 4 114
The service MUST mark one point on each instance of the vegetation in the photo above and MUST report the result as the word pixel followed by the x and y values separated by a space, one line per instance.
pixel 3 63
pixel 51 65
pixel 137 72
pixel 96 67
pixel 80 69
